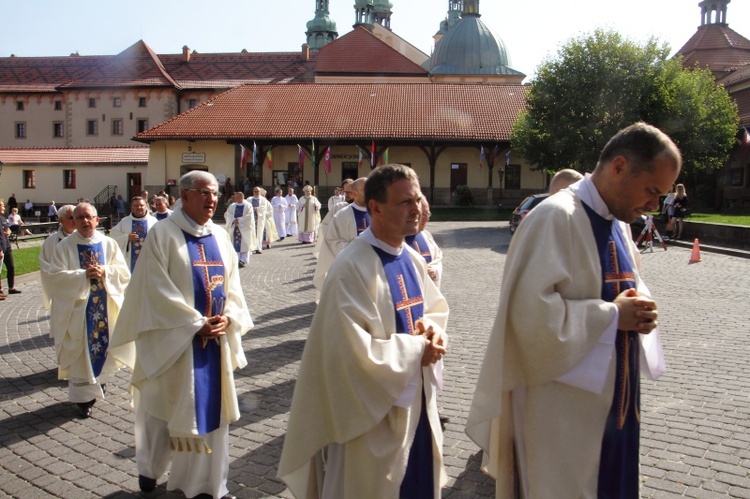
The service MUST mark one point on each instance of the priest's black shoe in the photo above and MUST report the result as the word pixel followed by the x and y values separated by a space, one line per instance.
pixel 146 484
pixel 86 408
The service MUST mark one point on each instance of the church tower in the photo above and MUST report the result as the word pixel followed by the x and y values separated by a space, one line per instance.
pixel 714 12
pixel 382 12
pixel 322 30
pixel 364 13
pixel 455 9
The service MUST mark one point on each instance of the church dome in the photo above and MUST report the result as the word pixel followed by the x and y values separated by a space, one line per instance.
pixel 382 5
pixel 321 24
pixel 363 4
pixel 470 47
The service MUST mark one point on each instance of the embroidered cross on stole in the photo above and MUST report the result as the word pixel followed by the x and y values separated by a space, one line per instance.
pixel 419 243
pixel 209 297
pixel 239 210
pixel 618 467
pixel 140 227
pixel 97 321
pixel 408 304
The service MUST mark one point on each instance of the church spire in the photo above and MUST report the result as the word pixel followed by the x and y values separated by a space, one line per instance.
pixel 321 30
pixel 714 12
pixel 455 9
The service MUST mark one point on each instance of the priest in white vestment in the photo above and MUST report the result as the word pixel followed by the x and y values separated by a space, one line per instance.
pixel 161 208
pixel 88 275
pixel 131 231
pixel 47 253
pixel 336 203
pixel 186 313
pixel 347 224
pixel 308 216
pixel 240 220
pixel 291 213
pixel 556 406
pixel 280 209
pixel 364 421
pixel 423 243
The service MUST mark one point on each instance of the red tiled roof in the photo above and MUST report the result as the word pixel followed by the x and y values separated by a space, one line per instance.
pixel 460 112
pixel 242 67
pixel 718 47
pixel 74 155
pixel 139 66
pixel 136 66
pixel 345 55
pixel 44 74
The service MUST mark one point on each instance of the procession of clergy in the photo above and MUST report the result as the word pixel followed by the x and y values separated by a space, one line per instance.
pixel 556 410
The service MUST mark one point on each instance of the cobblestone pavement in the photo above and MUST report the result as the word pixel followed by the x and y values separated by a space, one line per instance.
pixel 695 436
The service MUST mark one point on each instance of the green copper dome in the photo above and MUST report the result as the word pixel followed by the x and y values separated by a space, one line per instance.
pixel 470 47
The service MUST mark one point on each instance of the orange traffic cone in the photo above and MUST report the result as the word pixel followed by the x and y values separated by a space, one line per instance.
pixel 695 256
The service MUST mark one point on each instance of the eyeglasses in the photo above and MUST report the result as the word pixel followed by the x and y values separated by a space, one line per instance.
pixel 88 218
pixel 206 193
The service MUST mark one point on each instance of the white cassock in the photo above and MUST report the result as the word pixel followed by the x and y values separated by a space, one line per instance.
pixel 332 210
pixel 121 233
pixel 46 254
pixel 160 318
pixel 546 385
pixel 291 215
pixel 246 224
pixel 280 208
pixel 308 218
pixel 340 232
pixel 359 381
pixel 435 254
pixel 70 309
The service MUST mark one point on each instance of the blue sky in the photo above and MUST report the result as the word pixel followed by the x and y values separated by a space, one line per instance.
pixel 531 30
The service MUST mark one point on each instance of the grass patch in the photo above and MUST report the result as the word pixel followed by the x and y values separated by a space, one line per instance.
pixel 719 218
pixel 25 259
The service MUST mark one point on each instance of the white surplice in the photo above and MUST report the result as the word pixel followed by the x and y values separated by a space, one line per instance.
pixel 246 223
pixel 359 382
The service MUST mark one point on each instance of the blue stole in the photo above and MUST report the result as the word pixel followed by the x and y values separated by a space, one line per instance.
pixel 618 463
pixel 140 227
pixel 97 321
pixel 239 209
pixel 408 305
pixel 210 295
pixel 361 220
pixel 256 203
pixel 161 216
pixel 419 243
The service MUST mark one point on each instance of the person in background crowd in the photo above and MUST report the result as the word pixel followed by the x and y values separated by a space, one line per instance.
pixel 89 276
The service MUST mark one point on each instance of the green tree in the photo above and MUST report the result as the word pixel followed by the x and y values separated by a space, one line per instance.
pixel 600 83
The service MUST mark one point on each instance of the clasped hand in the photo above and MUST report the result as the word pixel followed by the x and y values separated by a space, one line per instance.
pixel 436 343
pixel 214 327
pixel 636 313
pixel 95 271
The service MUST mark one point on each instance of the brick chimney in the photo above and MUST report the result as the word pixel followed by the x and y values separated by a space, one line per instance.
pixel 305 52
pixel 185 54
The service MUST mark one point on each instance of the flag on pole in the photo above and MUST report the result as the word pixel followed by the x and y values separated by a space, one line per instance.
pixel 312 156
pixel 327 164
pixel 300 156
pixel 255 153
pixel 385 156
pixel 507 157
pixel 482 156
pixel 244 155
pixel 495 154
pixel 372 155
pixel 269 155
pixel 361 156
